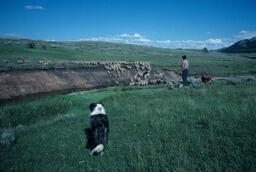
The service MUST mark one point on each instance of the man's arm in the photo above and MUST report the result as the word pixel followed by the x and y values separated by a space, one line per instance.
pixel 182 69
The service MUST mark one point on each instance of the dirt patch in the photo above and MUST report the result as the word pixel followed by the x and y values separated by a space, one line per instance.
pixel 170 75
pixel 20 83
pixel 165 76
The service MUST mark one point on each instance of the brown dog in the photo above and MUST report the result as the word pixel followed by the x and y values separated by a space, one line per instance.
pixel 206 79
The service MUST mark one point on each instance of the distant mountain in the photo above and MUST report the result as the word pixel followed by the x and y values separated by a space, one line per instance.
pixel 243 46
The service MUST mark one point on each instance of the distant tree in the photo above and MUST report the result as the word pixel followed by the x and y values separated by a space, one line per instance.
pixel 205 50
pixel 44 47
pixel 31 45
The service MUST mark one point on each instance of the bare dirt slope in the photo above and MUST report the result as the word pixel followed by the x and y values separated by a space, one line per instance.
pixel 28 82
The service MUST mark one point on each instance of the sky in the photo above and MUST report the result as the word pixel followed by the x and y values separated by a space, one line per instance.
pixel 188 24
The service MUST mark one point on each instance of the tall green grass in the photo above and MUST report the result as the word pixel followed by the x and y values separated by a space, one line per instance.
pixel 188 129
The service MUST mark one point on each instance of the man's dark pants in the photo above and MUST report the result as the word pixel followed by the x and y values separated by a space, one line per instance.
pixel 184 77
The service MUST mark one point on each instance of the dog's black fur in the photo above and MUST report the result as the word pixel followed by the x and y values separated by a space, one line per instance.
pixel 98 133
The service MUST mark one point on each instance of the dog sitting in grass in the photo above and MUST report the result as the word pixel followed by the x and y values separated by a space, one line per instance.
pixel 206 80
pixel 97 135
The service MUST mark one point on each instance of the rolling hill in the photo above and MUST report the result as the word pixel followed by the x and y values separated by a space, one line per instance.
pixel 15 54
pixel 243 46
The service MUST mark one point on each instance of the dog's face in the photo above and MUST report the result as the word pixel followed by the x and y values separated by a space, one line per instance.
pixel 97 108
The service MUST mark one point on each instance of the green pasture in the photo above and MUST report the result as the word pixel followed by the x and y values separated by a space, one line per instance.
pixel 213 62
pixel 211 128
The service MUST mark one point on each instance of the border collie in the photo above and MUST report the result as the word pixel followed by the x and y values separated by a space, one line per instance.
pixel 97 135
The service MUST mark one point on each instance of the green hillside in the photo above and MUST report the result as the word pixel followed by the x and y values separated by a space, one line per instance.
pixel 13 50
pixel 243 46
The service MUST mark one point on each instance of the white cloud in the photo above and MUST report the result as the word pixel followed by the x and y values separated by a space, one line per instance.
pixel 135 35
pixel 143 40
pixel 199 44
pixel 163 42
pixel 244 34
pixel 105 39
pixel 9 35
pixel 214 41
pixel 136 38
pixel 36 7
pixel 125 35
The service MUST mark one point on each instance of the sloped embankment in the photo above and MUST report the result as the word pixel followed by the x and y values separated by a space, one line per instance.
pixel 22 83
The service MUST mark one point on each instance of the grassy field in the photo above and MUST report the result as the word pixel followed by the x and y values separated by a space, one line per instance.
pixel 212 62
pixel 187 129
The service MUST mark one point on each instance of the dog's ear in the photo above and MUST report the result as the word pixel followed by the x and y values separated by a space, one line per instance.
pixel 92 106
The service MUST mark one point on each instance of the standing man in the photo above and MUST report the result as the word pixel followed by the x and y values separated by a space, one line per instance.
pixel 184 70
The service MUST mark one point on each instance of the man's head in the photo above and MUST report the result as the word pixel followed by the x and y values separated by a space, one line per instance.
pixel 184 57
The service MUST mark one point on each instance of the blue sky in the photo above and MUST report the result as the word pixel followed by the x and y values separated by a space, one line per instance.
pixel 164 23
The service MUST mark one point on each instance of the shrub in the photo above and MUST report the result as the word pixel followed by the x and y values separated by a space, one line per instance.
pixel 44 47
pixel 31 45
pixel 205 50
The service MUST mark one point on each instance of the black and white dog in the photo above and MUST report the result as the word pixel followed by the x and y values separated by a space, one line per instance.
pixel 97 135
